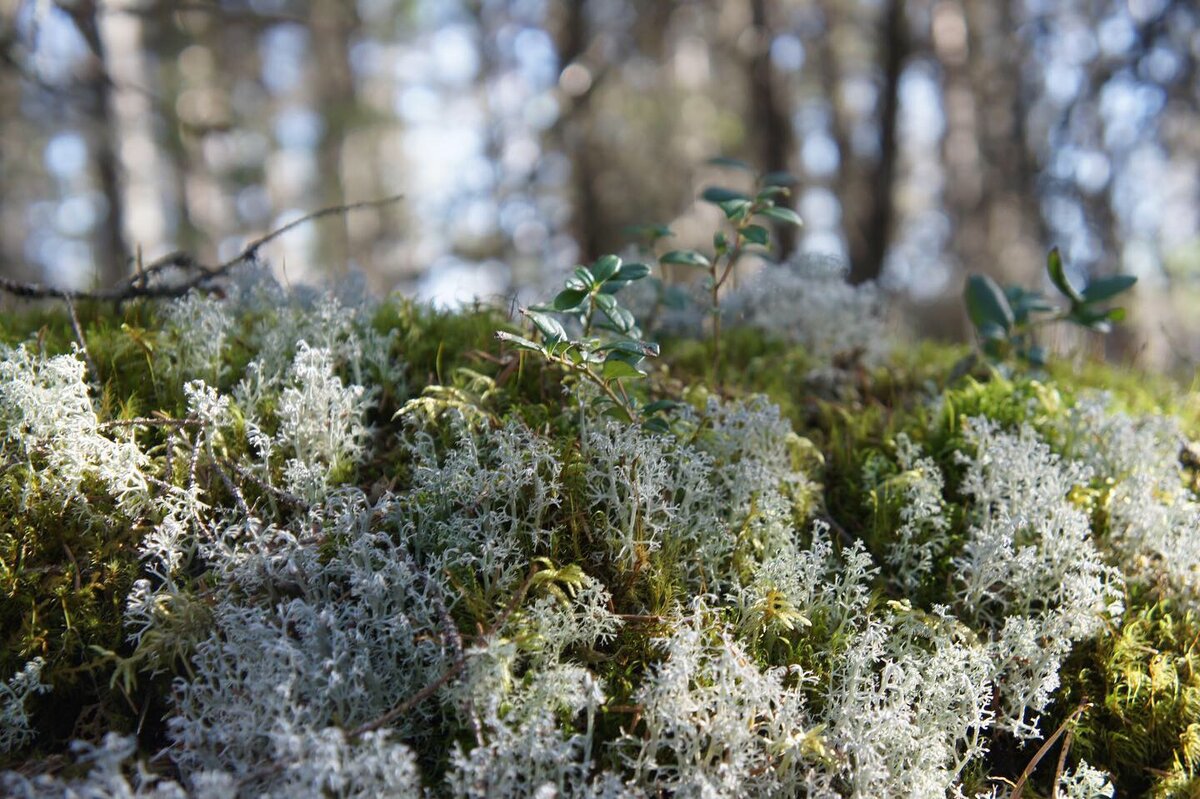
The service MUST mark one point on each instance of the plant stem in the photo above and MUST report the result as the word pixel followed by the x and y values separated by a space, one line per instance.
pixel 731 258
pixel 587 319
pixel 587 371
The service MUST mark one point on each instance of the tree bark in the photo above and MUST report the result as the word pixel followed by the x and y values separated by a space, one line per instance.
pixel 113 251
pixel 332 25
pixel 776 139
pixel 587 212
pixel 867 263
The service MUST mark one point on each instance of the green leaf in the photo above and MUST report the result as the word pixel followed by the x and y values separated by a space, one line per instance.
pixel 661 405
pixel 606 302
pixel 630 272
pixel 584 275
pixel 778 179
pixel 1024 302
pixel 622 318
pixel 986 304
pixel 771 192
pixel 1094 319
pixel 719 194
pixel 1058 276
pixel 657 424
pixel 617 369
pixel 996 349
pixel 630 347
pixel 519 341
pixel 612 286
pixel 735 210
pixel 568 299
pixel 732 163
pixel 617 412
pixel 720 243
pixel 756 234
pixel 605 267
pixel 992 331
pixel 547 325
pixel 1106 288
pixel 782 214
pixel 651 232
pixel 686 258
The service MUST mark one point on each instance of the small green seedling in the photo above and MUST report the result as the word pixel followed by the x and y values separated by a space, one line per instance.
pixel 609 350
pixel 748 214
pixel 1006 320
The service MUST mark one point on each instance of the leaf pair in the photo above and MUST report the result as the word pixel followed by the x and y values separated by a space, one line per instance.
pixel 605 361
pixel 1005 318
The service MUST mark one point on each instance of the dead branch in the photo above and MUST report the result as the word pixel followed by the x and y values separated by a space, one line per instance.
pixel 138 286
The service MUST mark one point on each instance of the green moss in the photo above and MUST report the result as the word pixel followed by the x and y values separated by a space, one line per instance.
pixel 64 575
pixel 1143 685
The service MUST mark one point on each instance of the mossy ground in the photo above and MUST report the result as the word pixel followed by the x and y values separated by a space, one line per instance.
pixel 64 578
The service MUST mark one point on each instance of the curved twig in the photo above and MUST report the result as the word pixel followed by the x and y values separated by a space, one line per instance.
pixel 137 286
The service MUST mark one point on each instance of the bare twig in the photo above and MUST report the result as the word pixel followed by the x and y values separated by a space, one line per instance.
pixel 1062 762
pixel 136 287
pixel 1019 785
pixel 278 492
pixel 150 422
pixel 231 487
pixel 79 336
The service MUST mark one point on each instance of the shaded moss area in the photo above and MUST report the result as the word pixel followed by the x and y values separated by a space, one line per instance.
pixel 65 576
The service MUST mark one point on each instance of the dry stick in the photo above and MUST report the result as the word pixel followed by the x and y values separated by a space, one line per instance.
pixel 149 422
pixel 1062 761
pixel 1019 785
pixel 231 487
pixel 127 290
pixel 79 335
pixel 246 474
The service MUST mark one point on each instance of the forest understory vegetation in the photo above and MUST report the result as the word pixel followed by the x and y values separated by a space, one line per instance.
pixel 305 542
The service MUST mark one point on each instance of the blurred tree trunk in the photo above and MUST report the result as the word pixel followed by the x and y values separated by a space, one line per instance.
pixel 12 260
pixel 112 255
pixel 168 43
pixel 573 136
pixel 877 215
pixel 772 124
pixel 332 25
pixel 991 191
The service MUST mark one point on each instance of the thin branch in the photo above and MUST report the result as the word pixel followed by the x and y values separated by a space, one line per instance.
pixel 230 486
pixel 1062 762
pixel 1019 785
pixel 132 289
pixel 150 422
pixel 79 335
pixel 246 474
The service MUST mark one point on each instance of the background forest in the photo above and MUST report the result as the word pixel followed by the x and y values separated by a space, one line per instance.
pixel 932 138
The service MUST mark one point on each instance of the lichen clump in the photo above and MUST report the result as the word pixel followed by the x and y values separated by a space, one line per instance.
pixel 295 543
